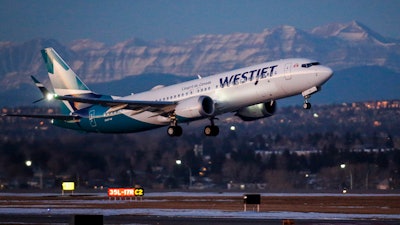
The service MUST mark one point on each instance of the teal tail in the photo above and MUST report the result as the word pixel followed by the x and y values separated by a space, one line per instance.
pixel 64 81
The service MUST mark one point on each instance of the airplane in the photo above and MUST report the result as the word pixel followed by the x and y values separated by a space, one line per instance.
pixel 249 92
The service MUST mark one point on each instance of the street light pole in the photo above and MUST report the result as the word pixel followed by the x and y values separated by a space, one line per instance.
pixel 38 170
pixel 179 162
pixel 343 166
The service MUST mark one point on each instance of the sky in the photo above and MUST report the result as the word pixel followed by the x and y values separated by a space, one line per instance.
pixel 114 21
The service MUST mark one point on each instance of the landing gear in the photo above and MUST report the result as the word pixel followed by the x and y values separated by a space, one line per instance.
pixel 306 104
pixel 211 130
pixel 307 94
pixel 174 130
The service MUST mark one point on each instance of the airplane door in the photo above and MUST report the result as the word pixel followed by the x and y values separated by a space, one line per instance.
pixel 92 118
pixel 287 71
pixel 266 90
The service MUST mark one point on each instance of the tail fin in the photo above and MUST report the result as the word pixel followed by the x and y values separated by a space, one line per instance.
pixel 63 79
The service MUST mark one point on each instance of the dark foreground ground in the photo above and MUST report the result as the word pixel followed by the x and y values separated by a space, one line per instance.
pixel 191 208
pixel 163 220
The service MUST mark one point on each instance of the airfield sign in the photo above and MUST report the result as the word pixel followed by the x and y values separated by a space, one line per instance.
pixel 125 192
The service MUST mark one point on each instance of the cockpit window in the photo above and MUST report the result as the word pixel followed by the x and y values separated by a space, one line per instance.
pixel 307 65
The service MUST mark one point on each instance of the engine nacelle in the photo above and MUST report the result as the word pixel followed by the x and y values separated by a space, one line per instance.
pixel 257 111
pixel 195 107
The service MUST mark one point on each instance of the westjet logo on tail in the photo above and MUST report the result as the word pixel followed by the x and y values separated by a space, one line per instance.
pixel 247 76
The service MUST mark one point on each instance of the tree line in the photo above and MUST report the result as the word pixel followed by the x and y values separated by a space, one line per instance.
pixel 294 149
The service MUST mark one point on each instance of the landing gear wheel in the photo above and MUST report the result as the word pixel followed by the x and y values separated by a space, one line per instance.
pixel 307 105
pixel 211 130
pixel 174 131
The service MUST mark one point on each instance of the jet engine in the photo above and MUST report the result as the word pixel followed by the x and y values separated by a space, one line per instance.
pixel 257 111
pixel 195 107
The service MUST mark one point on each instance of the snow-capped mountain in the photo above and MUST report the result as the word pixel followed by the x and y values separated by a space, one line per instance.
pixel 340 46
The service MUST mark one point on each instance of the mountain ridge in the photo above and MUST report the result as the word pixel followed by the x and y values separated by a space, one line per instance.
pixel 341 46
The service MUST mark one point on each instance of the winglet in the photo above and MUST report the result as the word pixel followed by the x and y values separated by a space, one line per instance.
pixel 45 92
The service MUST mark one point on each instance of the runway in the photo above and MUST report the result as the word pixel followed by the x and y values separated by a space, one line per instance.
pixel 201 208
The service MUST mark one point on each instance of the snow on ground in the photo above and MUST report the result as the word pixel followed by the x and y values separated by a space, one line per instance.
pixel 70 210
pixel 196 213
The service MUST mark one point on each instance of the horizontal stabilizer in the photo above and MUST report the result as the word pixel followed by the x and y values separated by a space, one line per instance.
pixel 45 116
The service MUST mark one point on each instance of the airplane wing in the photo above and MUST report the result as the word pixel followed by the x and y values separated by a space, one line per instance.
pixel 161 107
pixel 44 116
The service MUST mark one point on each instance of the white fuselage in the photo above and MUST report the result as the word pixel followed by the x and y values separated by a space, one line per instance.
pixel 239 88
pixel 250 92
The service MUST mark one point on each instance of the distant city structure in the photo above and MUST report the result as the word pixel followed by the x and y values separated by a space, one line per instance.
pixel 349 146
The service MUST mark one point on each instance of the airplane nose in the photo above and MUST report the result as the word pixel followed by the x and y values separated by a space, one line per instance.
pixel 325 73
